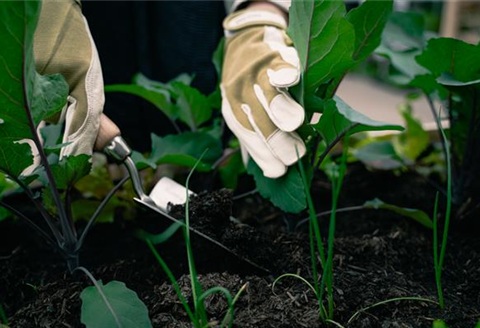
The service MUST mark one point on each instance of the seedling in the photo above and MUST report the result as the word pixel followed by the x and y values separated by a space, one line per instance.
pixel 198 316
pixel 439 256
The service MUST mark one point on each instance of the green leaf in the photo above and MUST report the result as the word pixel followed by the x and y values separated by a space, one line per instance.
pixel 428 84
pixel 129 309
pixel 159 98
pixel 26 97
pixel 449 81
pixel 403 61
pixel 218 57
pixel 231 170
pixel 439 324
pixel 417 215
pixel 182 149
pixel 193 107
pixel 49 96
pixel 338 119
pixel 369 20
pixel 14 157
pixel 98 182
pixel 414 140
pixel 379 155
pixel 83 209
pixel 404 31
pixel 456 57
pixel 286 192
pixel 70 170
pixel 324 39
pixel 161 237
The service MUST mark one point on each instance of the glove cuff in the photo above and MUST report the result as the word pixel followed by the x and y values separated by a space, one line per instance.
pixel 247 18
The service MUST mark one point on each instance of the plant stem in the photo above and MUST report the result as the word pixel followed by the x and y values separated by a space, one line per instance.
pixel 327 277
pixel 315 237
pixel 29 222
pixel 438 279
pixel 46 216
pixel 448 211
pixel 196 287
pixel 99 209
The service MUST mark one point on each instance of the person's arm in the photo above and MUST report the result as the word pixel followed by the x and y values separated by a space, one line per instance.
pixel 63 44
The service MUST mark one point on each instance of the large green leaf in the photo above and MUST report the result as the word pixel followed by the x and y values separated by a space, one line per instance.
pixel 338 119
pixel 130 311
pixel 369 20
pixel 403 39
pixel 456 57
pixel 182 149
pixel 286 192
pixel 324 39
pixel 158 97
pixel 26 97
pixel 193 107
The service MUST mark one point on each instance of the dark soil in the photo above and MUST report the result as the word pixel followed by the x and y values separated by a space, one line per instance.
pixel 378 255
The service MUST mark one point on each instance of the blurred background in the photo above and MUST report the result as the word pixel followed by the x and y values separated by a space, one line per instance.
pixel 162 39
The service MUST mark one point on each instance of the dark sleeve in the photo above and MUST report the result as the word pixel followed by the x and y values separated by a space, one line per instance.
pixel 160 39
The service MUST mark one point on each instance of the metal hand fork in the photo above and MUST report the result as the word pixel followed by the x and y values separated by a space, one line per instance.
pixel 111 142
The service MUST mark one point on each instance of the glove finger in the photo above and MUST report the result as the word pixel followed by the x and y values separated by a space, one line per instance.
pixel 252 140
pixel 285 70
pixel 286 145
pixel 284 112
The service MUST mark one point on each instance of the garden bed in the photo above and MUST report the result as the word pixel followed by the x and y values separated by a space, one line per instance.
pixel 378 255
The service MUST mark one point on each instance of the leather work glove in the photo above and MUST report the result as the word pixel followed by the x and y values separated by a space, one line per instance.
pixel 63 44
pixel 259 66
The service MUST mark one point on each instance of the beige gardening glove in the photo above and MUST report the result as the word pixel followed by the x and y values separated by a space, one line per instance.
pixel 259 66
pixel 63 44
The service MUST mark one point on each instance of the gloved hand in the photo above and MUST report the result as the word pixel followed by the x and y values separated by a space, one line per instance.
pixel 63 44
pixel 259 66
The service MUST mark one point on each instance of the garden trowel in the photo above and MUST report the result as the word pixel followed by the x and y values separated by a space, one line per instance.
pixel 166 190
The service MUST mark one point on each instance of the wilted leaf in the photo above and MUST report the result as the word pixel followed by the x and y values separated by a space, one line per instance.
pixel 286 192
pixel 129 309
pixel 417 215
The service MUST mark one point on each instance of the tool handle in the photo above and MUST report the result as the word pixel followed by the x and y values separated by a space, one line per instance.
pixel 106 133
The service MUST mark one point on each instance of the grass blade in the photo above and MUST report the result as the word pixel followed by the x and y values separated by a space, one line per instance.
pixel 419 299
pixel 3 316
pixel 174 282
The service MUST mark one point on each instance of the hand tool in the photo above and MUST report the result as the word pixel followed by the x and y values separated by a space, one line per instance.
pixel 165 191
